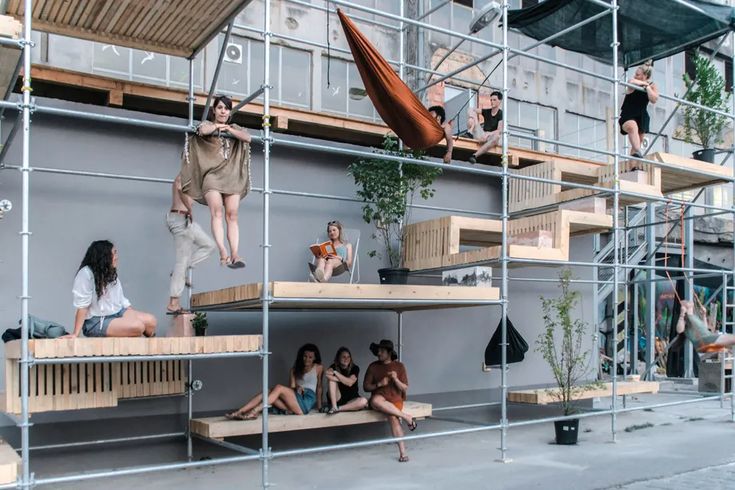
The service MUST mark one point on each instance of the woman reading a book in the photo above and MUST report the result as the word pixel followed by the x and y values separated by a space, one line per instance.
pixel 333 257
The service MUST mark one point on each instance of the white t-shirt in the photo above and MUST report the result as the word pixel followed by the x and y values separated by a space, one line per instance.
pixel 85 295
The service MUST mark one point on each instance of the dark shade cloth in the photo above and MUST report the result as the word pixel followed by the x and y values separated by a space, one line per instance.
pixel 517 346
pixel 400 109
pixel 647 29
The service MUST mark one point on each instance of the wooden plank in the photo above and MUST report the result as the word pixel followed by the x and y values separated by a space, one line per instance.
pixel 545 396
pixel 9 463
pixel 220 427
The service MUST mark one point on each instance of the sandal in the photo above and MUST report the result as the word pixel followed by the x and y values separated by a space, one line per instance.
pixel 236 263
pixel 225 261
pixel 403 459
pixel 332 411
pixel 179 311
pixel 412 426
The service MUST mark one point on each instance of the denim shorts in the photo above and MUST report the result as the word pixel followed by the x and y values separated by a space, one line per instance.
pixel 97 325
pixel 306 401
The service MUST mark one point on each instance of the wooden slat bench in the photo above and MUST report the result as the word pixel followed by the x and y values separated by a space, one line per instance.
pixel 544 396
pixel 73 386
pixel 220 427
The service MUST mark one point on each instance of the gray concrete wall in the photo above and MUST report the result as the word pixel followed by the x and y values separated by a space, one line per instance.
pixel 443 348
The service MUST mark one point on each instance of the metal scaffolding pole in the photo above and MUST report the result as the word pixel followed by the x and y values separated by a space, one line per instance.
pixel 504 255
pixel 650 237
pixel 732 204
pixel 217 68
pixel 265 450
pixel 688 236
pixel 615 216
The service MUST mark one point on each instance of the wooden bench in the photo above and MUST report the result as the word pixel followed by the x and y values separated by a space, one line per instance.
pixel 544 396
pixel 74 386
pixel 220 427
pixel 437 243
pixel 678 176
pixel 9 463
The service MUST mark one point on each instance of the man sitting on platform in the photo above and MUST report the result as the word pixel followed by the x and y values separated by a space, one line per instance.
pixel 492 125
pixel 386 379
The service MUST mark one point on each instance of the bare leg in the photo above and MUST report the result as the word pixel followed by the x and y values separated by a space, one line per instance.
pixel 382 405
pixel 631 127
pixel 490 142
pixel 132 324
pixel 328 269
pixel 319 272
pixel 254 402
pixel 397 431
pixel 216 209
pixel 354 405
pixel 334 394
pixel 232 203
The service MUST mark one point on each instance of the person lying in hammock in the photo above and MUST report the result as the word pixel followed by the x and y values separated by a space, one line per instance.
pixel 695 328
pixel 441 117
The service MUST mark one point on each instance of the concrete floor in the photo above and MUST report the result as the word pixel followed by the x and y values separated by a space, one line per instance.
pixel 651 445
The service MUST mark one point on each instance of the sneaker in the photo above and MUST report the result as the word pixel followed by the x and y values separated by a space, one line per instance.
pixel 473 159
pixel 637 154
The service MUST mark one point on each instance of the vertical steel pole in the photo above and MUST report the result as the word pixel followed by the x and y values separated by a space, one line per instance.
pixel 504 253
pixel 266 292
pixel 400 336
pixel 634 351
pixel 25 235
pixel 626 298
pixel 732 276
pixel 690 292
pixel 616 205
pixel 190 96
pixel 190 273
pixel 650 291
pixel 401 42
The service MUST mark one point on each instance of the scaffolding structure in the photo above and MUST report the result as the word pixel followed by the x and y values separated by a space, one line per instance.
pixel 619 266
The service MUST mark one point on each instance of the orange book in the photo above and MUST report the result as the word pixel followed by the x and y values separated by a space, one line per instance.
pixel 323 249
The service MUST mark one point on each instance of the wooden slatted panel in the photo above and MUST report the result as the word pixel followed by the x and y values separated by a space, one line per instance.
pixel 151 378
pixel 545 396
pixel 177 27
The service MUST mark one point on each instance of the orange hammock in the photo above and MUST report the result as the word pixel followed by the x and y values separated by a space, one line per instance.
pixel 400 109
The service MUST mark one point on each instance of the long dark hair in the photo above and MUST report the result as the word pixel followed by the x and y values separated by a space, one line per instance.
pixel 298 365
pixel 337 356
pixel 220 98
pixel 99 259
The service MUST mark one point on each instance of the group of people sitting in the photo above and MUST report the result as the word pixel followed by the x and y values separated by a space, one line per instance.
pixel 385 379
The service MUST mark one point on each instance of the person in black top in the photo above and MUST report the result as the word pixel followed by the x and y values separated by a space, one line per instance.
pixel 344 394
pixel 441 117
pixel 634 119
pixel 492 125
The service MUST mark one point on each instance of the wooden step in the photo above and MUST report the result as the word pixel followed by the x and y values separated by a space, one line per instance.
pixel 544 396
pixel 9 463
pixel 220 427
pixel 677 175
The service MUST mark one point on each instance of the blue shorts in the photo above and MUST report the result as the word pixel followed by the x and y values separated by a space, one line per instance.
pixel 306 401
pixel 97 325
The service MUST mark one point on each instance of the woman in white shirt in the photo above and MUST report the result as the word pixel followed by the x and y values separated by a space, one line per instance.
pixel 102 308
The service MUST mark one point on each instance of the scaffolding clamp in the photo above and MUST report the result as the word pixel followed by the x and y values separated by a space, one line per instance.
pixel 266 120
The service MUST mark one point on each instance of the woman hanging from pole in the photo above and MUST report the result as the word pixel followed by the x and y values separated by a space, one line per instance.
pixel 102 308
pixel 695 328
pixel 216 172
pixel 634 118
pixel 299 397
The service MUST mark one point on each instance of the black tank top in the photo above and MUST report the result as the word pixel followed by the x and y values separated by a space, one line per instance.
pixel 635 103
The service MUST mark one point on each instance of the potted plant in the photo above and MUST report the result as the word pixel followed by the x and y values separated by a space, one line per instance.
pixel 200 324
pixel 561 345
pixel 707 89
pixel 387 189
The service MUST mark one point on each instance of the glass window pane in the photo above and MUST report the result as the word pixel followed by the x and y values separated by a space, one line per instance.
pixel 179 71
pixel 147 65
pixel 108 57
pixel 359 102
pixel 233 74
pixel 334 97
pixel 296 90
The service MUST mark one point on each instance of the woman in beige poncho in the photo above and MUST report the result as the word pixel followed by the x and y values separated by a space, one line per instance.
pixel 216 172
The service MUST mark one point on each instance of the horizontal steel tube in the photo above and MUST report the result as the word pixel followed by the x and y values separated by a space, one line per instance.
pixel 170 435
pixel 673 278
pixel 14 43
pixel 276 299
pixel 225 444
pixel 572 281
pixel 314 195
pixel 470 405
pixel 353 17
pixel 162 357
pixel 608 266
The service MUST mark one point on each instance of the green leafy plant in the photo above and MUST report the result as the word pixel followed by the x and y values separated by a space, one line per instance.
pixel 387 189
pixel 200 324
pixel 561 345
pixel 707 89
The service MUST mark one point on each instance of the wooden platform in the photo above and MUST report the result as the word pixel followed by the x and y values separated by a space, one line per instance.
pixel 9 55
pixel 9 463
pixel 220 427
pixel 681 178
pixel 74 386
pixel 308 295
pixel 438 243
pixel 544 396
pixel 177 28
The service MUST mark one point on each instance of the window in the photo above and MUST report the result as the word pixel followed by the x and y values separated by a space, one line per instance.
pixel 458 101
pixel 583 131
pixel 532 119
pixel 346 93
pixel 466 3
pixel 242 72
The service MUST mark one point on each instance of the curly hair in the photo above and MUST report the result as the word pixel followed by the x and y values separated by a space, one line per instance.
pixel 298 365
pixel 99 259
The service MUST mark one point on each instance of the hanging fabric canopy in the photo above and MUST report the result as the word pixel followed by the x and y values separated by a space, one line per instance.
pixel 400 109
pixel 647 29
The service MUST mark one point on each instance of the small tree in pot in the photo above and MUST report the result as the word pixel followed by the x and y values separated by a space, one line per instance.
pixel 561 346
pixel 200 324
pixel 387 189
pixel 707 89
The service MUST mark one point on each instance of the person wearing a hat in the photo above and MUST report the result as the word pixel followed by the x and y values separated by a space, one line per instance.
pixel 387 382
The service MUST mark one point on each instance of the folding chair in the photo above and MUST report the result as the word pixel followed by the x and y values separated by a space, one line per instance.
pixel 352 236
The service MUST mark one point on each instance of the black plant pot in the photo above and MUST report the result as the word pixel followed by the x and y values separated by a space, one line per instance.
pixel 200 332
pixel 393 276
pixel 706 155
pixel 566 431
